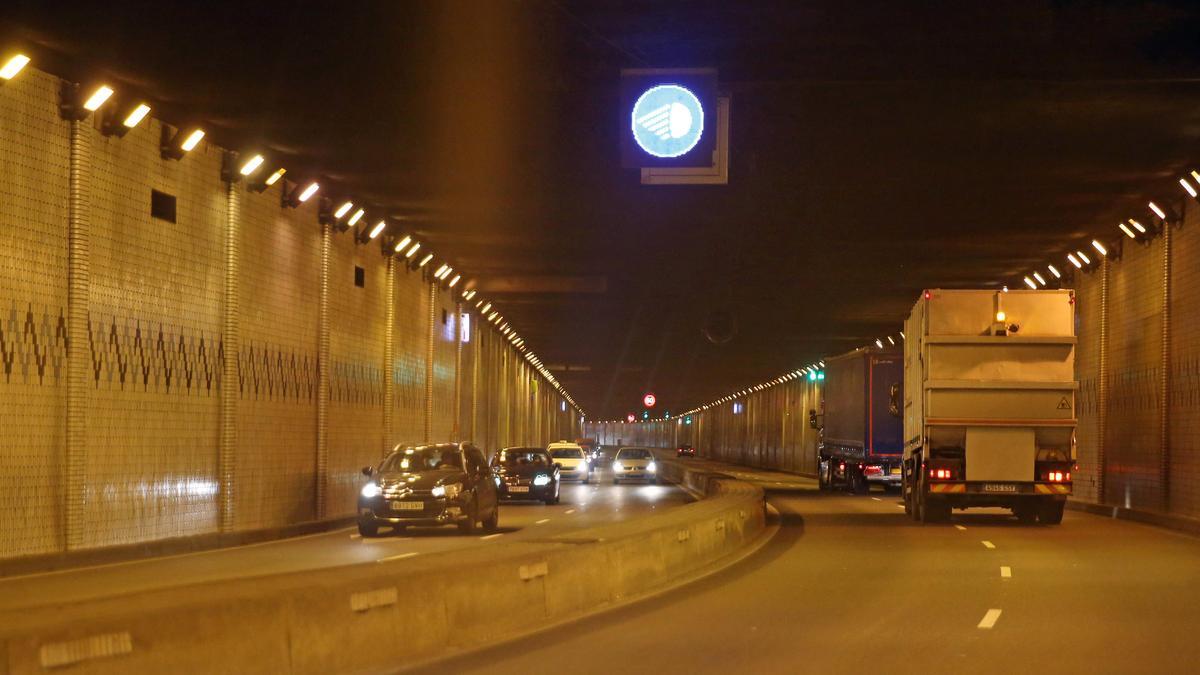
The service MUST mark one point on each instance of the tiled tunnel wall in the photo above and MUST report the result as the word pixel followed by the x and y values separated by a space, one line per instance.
pixel 1124 456
pixel 156 347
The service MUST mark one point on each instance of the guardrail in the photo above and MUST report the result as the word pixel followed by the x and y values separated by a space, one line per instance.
pixel 389 615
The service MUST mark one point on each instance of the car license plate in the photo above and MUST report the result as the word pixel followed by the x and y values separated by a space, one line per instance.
pixel 408 506
pixel 518 488
pixel 896 471
pixel 999 487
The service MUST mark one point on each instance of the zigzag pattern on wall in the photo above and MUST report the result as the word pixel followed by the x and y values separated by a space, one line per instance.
pixel 1134 389
pixel 270 373
pixel 33 345
pixel 1185 383
pixel 355 382
pixel 154 357
pixel 129 354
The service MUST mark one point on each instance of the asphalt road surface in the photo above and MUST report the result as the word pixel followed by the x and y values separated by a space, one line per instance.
pixel 580 506
pixel 850 584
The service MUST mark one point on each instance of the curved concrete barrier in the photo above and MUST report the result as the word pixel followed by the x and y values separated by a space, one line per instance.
pixel 384 616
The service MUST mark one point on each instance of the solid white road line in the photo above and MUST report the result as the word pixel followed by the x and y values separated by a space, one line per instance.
pixel 570 511
pixel 988 544
pixel 492 536
pixel 543 520
pixel 989 619
pixel 1006 571
pixel 397 557
pixel 960 528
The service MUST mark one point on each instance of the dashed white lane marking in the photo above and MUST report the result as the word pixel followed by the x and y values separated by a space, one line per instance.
pixel 570 511
pixel 989 619
pixel 543 520
pixel 960 528
pixel 1006 571
pixel 899 506
pixel 877 499
pixel 988 544
pixel 492 536
pixel 356 536
pixel 397 557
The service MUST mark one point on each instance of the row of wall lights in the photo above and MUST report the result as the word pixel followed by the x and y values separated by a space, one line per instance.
pixel 177 142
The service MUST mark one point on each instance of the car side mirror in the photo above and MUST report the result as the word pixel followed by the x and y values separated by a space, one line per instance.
pixel 368 471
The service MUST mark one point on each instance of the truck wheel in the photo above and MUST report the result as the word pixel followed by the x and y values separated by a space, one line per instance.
pixel 1051 512
pixel 859 483
pixel 934 510
pixel 822 478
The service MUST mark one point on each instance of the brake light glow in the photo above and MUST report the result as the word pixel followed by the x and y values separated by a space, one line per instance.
pixel 874 470
pixel 940 474
pixel 1058 476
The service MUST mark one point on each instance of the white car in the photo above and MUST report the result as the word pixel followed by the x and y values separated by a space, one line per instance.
pixel 634 464
pixel 573 461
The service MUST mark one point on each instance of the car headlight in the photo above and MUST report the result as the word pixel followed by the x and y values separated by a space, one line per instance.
pixel 541 479
pixel 618 467
pixel 651 467
pixel 449 491
pixel 370 490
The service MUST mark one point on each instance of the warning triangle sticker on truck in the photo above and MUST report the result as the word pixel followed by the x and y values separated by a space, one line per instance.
pixel 1064 404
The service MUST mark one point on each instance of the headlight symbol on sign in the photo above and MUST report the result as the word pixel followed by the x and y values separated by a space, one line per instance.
pixel 667 120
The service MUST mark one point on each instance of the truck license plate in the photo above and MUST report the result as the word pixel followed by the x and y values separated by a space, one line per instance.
pixel 408 506
pixel 999 487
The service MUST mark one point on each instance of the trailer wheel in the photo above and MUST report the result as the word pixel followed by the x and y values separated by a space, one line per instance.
pixel 1051 512
pixel 907 492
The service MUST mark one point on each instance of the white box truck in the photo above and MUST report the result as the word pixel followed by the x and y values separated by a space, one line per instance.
pixel 989 403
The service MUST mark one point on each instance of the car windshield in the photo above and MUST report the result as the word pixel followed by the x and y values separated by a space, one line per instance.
pixel 566 453
pixel 427 458
pixel 633 453
pixel 524 457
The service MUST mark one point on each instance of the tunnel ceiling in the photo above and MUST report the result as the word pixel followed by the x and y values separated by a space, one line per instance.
pixel 876 149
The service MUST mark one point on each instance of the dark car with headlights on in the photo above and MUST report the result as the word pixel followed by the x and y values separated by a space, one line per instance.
pixel 526 474
pixel 429 485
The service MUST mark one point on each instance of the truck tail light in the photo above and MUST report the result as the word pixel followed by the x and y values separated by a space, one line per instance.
pixel 1058 476
pixel 941 474
pixel 873 470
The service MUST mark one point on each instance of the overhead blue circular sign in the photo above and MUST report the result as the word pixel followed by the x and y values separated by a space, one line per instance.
pixel 667 120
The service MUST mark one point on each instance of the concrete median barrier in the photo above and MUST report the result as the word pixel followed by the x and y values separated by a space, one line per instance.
pixel 385 616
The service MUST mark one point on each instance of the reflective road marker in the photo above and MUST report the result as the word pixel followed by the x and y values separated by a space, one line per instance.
pixel 989 619
pixel 1006 571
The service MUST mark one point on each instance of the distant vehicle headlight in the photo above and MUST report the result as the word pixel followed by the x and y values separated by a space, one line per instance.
pixel 617 466
pixel 370 490
pixel 651 467
pixel 541 479
pixel 449 491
